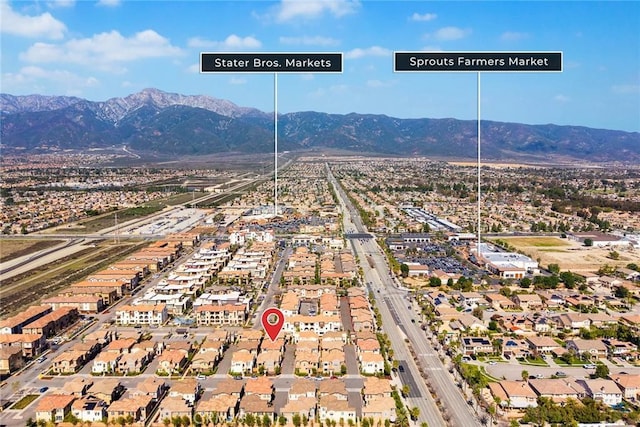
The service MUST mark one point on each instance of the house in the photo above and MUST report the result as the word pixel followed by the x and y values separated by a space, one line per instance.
pixel 375 388
pixel 558 390
pixel 172 361
pixel 68 362
pixel 105 363
pixel 137 407
pixel 380 409
pixel 596 349
pixel 602 390
pixel 261 387
pixel 10 360
pixel 476 345
pixel 302 388
pixel 514 394
pixel 143 314
pixel 500 302
pixel 173 406
pixel 187 389
pixel 617 348
pixel 242 362
pixel 371 363
pixel 218 408
pixel 253 404
pixel 332 360
pixel 303 406
pixel 107 389
pixel 306 361
pixel 515 348
pixel 542 345
pixel 54 407
pixel 572 322
pixel 333 408
pixel 151 386
pixel 269 360
pixel 89 408
pixel 77 386
pixel 628 384
pixel 133 363
pixel 528 302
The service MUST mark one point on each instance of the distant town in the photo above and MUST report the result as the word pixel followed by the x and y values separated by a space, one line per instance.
pixel 133 295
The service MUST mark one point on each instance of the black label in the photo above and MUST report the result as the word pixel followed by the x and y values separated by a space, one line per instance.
pixel 478 61
pixel 271 62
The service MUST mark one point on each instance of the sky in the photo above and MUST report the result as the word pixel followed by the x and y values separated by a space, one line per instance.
pixel 103 49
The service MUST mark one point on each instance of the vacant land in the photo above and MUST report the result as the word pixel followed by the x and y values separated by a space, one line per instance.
pixel 15 248
pixel 24 289
pixel 569 255
pixel 98 223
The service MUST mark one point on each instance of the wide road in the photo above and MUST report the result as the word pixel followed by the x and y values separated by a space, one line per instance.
pixel 394 306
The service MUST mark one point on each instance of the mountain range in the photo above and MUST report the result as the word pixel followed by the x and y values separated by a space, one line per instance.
pixel 153 121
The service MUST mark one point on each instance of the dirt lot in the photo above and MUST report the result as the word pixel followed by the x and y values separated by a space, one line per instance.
pixel 14 248
pixel 570 255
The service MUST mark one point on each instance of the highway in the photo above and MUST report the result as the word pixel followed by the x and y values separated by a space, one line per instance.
pixel 394 306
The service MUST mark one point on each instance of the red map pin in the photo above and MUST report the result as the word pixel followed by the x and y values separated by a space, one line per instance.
pixel 272 321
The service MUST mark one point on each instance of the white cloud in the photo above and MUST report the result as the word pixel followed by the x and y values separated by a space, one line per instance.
pixel 379 83
pixel 61 3
pixel 626 89
pixel 103 50
pixel 237 81
pixel 432 49
pixel 513 36
pixel 295 9
pixel 31 75
pixel 232 42
pixel 561 98
pixel 306 76
pixel 310 41
pixel 451 33
pixel 43 25
pixel 370 51
pixel 423 17
pixel 109 3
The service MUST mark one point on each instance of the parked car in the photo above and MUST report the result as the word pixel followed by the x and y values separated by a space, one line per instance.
pixel 589 366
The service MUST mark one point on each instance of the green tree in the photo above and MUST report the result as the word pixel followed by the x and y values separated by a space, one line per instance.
pixel 282 420
pixel 602 371
pixel 414 413
pixel 404 270
pixel 524 375
pixel 588 242
pixel 614 255
pixel 525 282
pixel 296 420
pixel 405 390
pixel 554 268
pixel 266 421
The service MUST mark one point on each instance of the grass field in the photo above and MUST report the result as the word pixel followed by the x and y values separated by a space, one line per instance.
pixel 536 242
pixel 14 248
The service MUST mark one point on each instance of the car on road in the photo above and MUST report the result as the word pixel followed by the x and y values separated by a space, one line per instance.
pixel 493 362
pixel 43 389
pixel 589 366
pixel 400 368
pixel 201 377
pixel 560 374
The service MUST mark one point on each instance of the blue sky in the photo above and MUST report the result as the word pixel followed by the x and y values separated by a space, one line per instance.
pixel 110 48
